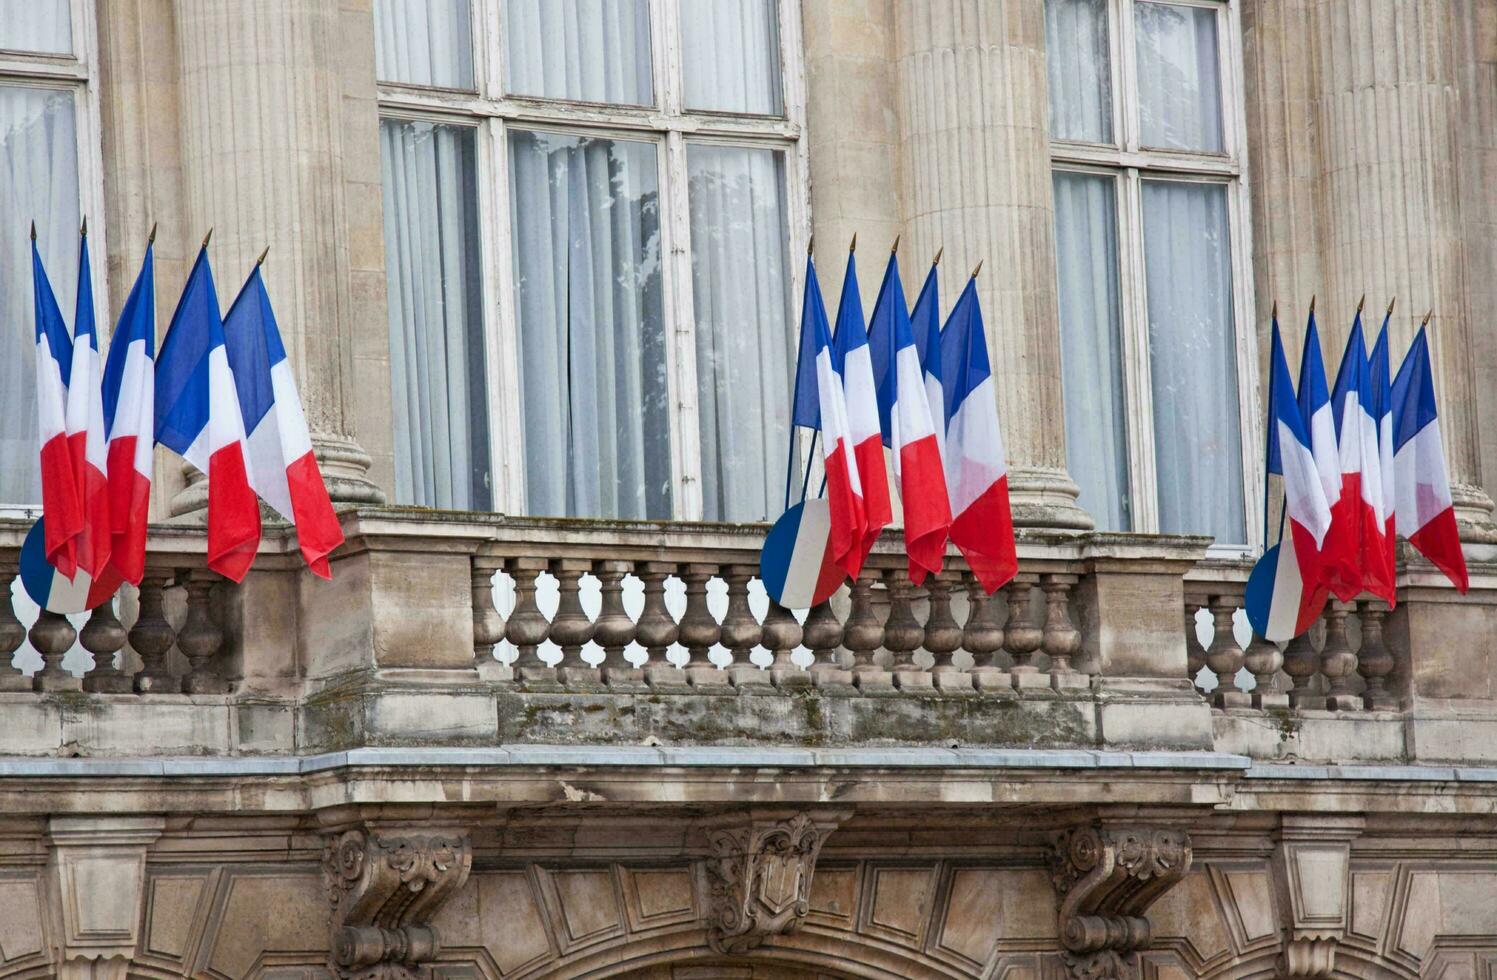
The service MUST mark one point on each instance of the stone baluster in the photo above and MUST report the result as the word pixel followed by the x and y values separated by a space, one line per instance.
pixel 1061 639
pixel 488 625
pixel 1374 660
pixel 657 630
pixel 152 637
pixel 527 627
pixel 863 634
pixel 12 635
pixel 1302 665
pixel 103 636
pixel 943 637
pixel 571 628
pixel 1337 662
pixel 1225 656
pixel 53 636
pixel 200 637
pixel 781 634
pixel 1021 637
pixel 1195 654
pixel 982 636
pixel 1263 661
pixel 740 630
pixel 902 632
pixel 823 634
pixel 614 630
pixel 699 630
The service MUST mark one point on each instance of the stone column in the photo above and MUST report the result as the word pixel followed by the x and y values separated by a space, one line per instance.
pixel 974 172
pixel 279 147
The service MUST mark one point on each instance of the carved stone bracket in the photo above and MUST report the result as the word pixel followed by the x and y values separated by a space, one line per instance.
pixel 759 876
pixel 1106 879
pixel 1312 876
pixel 384 891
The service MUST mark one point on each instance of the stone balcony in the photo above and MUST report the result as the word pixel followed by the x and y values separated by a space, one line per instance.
pixel 463 631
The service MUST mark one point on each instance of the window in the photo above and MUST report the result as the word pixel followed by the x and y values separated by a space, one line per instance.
pixel 588 210
pixel 48 173
pixel 1151 258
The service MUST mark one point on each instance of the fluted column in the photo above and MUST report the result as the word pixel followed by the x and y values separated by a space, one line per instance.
pixel 974 167
pixel 279 147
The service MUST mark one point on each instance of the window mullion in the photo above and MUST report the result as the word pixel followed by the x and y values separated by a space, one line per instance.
pixel 501 335
pixel 1126 56
pixel 1138 395
pixel 488 54
pixel 681 364
pixel 665 50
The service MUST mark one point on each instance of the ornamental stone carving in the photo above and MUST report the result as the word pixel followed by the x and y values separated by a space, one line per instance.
pixel 383 892
pixel 759 877
pixel 1106 878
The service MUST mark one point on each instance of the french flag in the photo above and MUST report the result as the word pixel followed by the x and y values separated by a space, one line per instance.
pixel 61 504
pixel 1355 542
pixel 1422 504
pixel 198 418
pixel 85 427
pixel 130 421
pixel 1284 594
pixel 1320 424
pixel 282 468
pixel 917 451
pixel 976 468
pixel 855 367
pixel 1381 575
pixel 925 322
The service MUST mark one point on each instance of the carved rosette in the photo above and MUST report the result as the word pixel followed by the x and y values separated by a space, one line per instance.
pixel 760 879
pixel 1106 879
pixel 383 892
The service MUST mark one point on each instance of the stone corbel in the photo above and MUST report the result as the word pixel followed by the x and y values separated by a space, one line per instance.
pixel 759 875
pixel 97 867
pixel 1312 877
pixel 384 890
pixel 1106 878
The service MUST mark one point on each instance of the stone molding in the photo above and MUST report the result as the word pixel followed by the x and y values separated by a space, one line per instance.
pixel 97 867
pixel 1311 867
pixel 383 892
pixel 759 876
pixel 1106 878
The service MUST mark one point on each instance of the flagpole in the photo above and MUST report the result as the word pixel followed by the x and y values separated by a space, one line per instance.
pixel 795 388
pixel 1268 438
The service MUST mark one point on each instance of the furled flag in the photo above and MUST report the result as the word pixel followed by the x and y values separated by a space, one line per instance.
pixel 976 470
pixel 1380 574
pixel 1354 544
pixel 85 423
pixel 130 421
pixel 917 453
pixel 197 417
pixel 1284 593
pixel 1320 426
pixel 925 321
pixel 850 344
pixel 54 363
pixel 820 404
pixel 1423 510
pixel 282 467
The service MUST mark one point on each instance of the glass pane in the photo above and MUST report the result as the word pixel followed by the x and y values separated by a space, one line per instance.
pixel 1086 252
pixel 40 26
pixel 436 316
pixel 38 180
pixel 424 42
pixel 593 385
pixel 579 50
pixel 1080 62
pixel 745 347
pixel 1179 85
pixel 1193 360
pixel 731 51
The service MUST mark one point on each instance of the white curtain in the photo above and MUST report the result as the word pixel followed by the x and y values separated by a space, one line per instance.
pixel 436 321
pixel 1079 58
pixel 579 50
pixel 424 42
pixel 1193 360
pixel 1086 246
pixel 594 389
pixel 745 346
pixel 42 26
pixel 730 51
pixel 1179 80
pixel 38 182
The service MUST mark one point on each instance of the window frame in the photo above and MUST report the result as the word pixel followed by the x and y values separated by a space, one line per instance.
pixel 1130 164
pixel 671 128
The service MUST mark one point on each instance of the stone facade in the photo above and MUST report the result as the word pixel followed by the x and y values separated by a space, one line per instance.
pixel 1087 776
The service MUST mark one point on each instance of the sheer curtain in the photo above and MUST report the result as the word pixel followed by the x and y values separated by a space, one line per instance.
pixel 1179 78
pixel 579 50
pixel 1193 360
pixel 730 50
pixel 745 346
pixel 38 181
pixel 436 316
pixel 594 389
pixel 40 26
pixel 1086 246
pixel 1080 68
pixel 424 42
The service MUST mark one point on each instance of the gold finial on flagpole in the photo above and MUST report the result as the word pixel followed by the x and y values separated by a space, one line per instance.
pixel 810 244
pixel 33 229
pixel 151 238
pixel 978 269
pixel 1390 305
pixel 854 246
pixel 83 228
pixel 1312 305
pixel 1275 313
pixel 894 249
pixel 939 252
pixel 1425 322
pixel 261 260
pixel 1360 302
pixel 205 239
